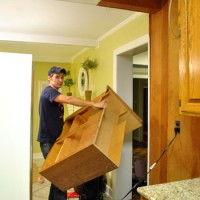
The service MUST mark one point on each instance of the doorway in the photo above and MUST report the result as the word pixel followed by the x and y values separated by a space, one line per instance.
pixel 123 67
pixel 140 107
pixel 140 136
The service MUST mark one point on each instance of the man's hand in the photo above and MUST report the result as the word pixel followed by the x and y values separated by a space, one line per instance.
pixel 101 104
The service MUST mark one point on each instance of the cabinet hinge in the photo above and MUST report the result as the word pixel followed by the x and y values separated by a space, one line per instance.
pixel 179 102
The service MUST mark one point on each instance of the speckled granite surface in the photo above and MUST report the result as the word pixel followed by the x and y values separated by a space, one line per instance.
pixel 179 190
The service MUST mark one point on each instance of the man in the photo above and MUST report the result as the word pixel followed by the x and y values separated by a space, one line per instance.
pixel 51 112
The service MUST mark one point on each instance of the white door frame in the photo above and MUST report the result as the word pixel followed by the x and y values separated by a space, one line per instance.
pixel 122 85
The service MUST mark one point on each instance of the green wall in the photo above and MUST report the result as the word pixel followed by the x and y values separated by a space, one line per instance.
pixel 103 75
pixel 100 77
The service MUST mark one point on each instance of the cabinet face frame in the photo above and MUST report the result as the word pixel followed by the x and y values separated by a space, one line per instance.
pixel 189 57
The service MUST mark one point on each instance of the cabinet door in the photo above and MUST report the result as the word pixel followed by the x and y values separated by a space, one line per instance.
pixel 189 58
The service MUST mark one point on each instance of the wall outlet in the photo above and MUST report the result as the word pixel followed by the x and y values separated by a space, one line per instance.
pixel 177 128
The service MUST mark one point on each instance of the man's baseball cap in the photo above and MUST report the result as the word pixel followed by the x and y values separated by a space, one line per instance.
pixel 56 70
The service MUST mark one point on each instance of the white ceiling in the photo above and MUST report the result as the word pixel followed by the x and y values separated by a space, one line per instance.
pixel 56 30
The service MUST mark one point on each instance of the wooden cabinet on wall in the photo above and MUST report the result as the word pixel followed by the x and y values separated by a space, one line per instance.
pixel 189 57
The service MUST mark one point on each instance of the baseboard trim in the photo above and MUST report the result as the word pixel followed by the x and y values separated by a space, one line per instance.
pixel 108 193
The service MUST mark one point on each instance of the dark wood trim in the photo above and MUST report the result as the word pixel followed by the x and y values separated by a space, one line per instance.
pixel 147 6
pixel 159 93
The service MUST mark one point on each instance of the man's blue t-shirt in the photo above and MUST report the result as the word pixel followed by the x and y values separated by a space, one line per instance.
pixel 51 116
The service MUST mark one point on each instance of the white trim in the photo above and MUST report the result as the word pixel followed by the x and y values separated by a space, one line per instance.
pixel 47 39
pixel 108 192
pixel 131 45
pixel 118 57
pixel 149 91
pixel 140 76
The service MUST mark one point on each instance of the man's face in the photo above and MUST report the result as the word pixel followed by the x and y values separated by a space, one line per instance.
pixel 56 80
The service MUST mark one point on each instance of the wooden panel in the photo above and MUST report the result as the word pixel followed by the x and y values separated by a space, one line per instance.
pixel 182 159
pixel 189 60
pixel 148 6
pixel 94 133
pixel 194 45
pixel 116 143
pixel 104 140
pixel 159 93
pixel 78 168
pixel 125 112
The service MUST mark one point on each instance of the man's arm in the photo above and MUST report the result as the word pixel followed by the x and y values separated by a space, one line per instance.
pixel 79 102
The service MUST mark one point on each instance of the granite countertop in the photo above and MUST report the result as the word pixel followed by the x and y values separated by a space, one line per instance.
pixel 178 190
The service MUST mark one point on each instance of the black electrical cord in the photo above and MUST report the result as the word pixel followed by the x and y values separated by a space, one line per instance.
pixel 150 168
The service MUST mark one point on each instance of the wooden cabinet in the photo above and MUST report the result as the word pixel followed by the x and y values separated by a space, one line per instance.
pixel 91 142
pixel 189 57
pixel 149 6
